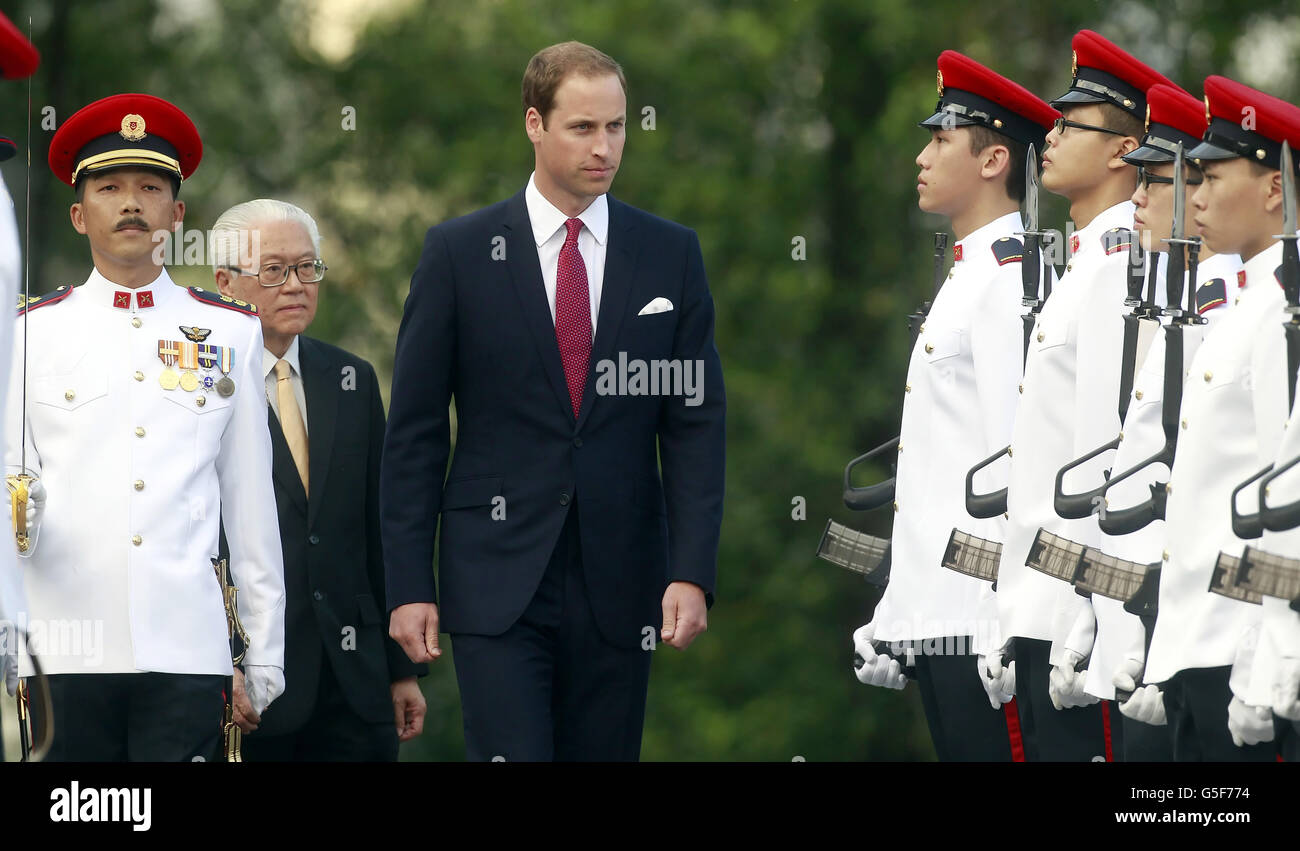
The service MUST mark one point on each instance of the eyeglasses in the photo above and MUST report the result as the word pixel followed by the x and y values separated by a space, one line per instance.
pixel 1146 179
pixel 1062 123
pixel 276 274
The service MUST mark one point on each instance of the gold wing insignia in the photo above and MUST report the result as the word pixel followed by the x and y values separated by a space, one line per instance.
pixel 195 333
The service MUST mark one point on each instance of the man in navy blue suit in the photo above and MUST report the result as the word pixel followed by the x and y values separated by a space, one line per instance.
pixel 576 335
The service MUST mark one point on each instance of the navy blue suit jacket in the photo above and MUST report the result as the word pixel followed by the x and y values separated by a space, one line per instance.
pixel 477 327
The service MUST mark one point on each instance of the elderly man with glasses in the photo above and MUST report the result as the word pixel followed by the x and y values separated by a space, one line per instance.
pixel 350 691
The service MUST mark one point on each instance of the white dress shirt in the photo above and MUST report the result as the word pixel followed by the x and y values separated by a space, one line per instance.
pixel 549 233
pixel 295 381
pixel 1234 410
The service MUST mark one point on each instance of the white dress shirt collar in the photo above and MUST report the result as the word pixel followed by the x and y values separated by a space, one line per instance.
pixel 269 359
pixel 546 218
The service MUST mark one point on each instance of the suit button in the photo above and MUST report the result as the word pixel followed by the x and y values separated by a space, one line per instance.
pixel 316 595
pixel 314 540
pixel 137 540
pixel 139 484
pixel 136 322
pixel 69 395
pixel 139 376
pixel 929 348
pixel 139 431
pixel 577 442
pixel 564 498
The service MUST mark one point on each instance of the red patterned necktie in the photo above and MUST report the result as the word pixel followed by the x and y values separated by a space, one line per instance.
pixel 573 314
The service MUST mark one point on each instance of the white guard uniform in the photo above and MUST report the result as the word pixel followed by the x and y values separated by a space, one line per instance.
pixel 958 408
pixel 137 479
pixel 1234 409
pixel 11 586
pixel 1068 408
pixel 1120 635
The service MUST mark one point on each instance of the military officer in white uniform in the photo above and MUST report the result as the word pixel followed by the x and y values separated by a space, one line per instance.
pixel 1069 403
pixel 1174 117
pixel 145 422
pixel 959 403
pixel 1234 409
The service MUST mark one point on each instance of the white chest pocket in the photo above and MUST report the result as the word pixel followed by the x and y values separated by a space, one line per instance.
pixel 939 348
pixel 69 392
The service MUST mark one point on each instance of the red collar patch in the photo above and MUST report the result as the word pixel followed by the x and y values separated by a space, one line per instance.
pixel 122 300
pixel 144 299
pixel 1241 278
pixel 1074 243
pixel 956 253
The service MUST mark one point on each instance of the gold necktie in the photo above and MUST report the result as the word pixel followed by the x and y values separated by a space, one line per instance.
pixel 295 433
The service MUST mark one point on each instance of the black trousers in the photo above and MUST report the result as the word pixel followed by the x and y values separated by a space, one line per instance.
pixel 333 733
pixel 147 717
pixel 1145 742
pixel 551 687
pixel 962 724
pixel 1196 702
pixel 1081 734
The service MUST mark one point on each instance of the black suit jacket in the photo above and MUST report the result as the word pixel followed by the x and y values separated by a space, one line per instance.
pixel 477 327
pixel 333 560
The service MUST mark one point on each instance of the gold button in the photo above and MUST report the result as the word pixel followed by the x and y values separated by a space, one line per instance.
pixel 137 540
pixel 69 395
pixel 1006 516
pixel 895 505
pixel 200 401
pixel 1008 451
pixel 1169 487
pixel 1040 336
pixel 950 275
pixel 136 321
pixel 1266 491
pixel 1121 436
pixel 1208 375
pixel 900 446
pixel 1020 389
pixel 139 376
pixel 1069 267
pixel 139 432
pixel 139 485
pixel 1164 556
pixel 921 330
pixel 929 348
pixel 1184 424
pixel 907 388
pixel 1138 395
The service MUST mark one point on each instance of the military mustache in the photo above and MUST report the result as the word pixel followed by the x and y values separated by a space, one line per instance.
pixel 132 222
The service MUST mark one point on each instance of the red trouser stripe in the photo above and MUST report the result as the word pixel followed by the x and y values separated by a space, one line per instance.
pixel 1105 726
pixel 1013 730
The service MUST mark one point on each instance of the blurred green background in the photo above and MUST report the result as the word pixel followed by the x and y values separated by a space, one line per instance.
pixel 771 121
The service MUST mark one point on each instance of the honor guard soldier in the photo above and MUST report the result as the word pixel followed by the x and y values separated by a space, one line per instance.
pixel 1174 117
pixel 959 404
pixel 145 422
pixel 1233 412
pixel 1071 384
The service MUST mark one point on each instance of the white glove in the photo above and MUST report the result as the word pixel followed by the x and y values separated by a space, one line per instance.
pixel 1147 703
pixel 1286 688
pixel 35 511
pixel 263 684
pixel 877 669
pixel 1065 685
pixel 999 682
pixel 1249 725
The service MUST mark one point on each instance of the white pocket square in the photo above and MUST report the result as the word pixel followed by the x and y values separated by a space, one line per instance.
pixel 658 305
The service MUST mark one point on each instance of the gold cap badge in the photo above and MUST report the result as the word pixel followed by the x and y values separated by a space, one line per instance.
pixel 1207 109
pixel 939 77
pixel 1147 127
pixel 132 127
pixel 1074 63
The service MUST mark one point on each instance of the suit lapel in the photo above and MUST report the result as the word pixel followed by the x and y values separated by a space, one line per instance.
pixel 318 377
pixel 620 265
pixel 526 274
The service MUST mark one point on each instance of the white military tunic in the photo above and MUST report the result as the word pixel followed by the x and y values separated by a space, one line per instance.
pixel 958 408
pixel 1120 635
pixel 137 479
pixel 11 587
pixel 1068 408
pixel 1234 409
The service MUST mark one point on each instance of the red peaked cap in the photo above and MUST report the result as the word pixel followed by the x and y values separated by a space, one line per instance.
pixel 135 130
pixel 18 56
pixel 970 93
pixel 1248 123
pixel 1104 73
pixel 1173 116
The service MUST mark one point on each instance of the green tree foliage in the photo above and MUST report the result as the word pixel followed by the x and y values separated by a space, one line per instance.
pixel 776 125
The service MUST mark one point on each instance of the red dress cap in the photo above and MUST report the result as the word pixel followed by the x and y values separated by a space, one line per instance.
pixel 18 56
pixel 970 93
pixel 1173 116
pixel 1248 123
pixel 1104 73
pixel 135 130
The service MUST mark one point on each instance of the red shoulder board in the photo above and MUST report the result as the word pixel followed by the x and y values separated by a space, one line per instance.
pixel 1116 240
pixel 25 304
pixel 223 301
pixel 1008 250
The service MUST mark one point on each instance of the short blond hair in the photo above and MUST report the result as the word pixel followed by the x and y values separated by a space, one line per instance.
pixel 550 65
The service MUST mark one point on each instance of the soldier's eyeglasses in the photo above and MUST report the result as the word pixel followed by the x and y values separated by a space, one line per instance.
pixel 1062 123
pixel 276 274
pixel 1146 179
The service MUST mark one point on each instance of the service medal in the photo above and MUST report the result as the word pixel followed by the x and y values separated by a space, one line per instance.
pixel 225 386
pixel 189 363
pixel 189 382
pixel 168 352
